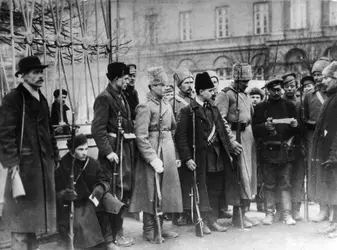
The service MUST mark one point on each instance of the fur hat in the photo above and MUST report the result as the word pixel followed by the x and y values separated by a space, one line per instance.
pixel 157 75
pixel 203 81
pixel 116 69
pixel 79 140
pixel 181 75
pixel 256 91
pixel 320 64
pixel 212 73
pixel 242 71
pixel 331 70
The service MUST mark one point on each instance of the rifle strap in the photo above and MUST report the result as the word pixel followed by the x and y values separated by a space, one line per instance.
pixel 320 97
pixel 82 170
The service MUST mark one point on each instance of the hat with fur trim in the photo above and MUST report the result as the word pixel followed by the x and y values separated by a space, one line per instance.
pixel 242 71
pixel 331 70
pixel 181 75
pixel 320 64
pixel 157 75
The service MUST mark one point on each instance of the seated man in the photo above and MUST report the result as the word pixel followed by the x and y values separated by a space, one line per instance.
pixel 95 210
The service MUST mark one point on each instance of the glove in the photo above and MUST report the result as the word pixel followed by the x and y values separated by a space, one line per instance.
pixel 157 164
pixel 68 194
pixel 98 192
pixel 330 163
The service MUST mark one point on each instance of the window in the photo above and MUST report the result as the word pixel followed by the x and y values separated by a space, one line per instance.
pixel 261 18
pixel 152 28
pixel 333 13
pixel 222 27
pixel 298 14
pixel 185 26
pixel 224 73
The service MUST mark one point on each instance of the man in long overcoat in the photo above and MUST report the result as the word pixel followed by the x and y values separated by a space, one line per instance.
pixel 213 161
pixel 227 102
pixel 184 80
pixel 324 149
pixel 154 126
pixel 111 106
pixel 26 109
pixel 313 101
pixel 94 206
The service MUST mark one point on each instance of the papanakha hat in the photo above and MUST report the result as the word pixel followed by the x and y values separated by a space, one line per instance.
pixel 203 81
pixel 116 69
pixel 320 64
pixel 331 70
pixel 181 75
pixel 242 71
pixel 28 63
pixel 157 75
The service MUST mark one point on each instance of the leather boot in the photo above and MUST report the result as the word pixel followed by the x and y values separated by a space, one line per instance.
pixel 148 228
pixel 236 219
pixel 167 234
pixel 296 206
pixel 179 219
pixel 286 203
pixel 323 214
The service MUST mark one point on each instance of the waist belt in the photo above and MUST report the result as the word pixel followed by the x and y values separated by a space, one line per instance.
pixel 156 129
pixel 126 136
pixel 243 125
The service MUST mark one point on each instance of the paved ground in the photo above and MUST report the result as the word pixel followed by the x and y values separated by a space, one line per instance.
pixel 279 236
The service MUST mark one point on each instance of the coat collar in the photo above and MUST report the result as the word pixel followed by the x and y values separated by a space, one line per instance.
pixel 118 97
pixel 164 105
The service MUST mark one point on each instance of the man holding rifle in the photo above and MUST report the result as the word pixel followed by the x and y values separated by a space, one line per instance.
pixel 157 186
pixel 236 108
pixel 94 206
pixel 111 128
pixel 206 138
pixel 274 126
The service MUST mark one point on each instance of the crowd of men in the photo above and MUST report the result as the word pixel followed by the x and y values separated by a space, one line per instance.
pixel 189 151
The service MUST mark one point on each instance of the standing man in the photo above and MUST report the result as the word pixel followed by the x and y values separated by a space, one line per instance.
pixel 154 125
pixel 324 148
pixel 227 101
pixel 307 83
pixel 28 150
pixel 56 112
pixel 184 80
pixel 109 107
pixel 130 91
pixel 289 86
pixel 275 149
pixel 213 147
pixel 313 101
pixel 215 79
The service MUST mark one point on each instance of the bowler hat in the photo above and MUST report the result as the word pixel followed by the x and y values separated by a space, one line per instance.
pixel 28 63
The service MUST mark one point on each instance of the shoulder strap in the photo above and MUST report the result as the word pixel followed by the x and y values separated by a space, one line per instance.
pixel 180 99
pixel 226 89
pixel 320 97
pixel 22 121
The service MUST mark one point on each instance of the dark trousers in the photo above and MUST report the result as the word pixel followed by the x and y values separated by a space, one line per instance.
pixel 277 176
pixel 215 182
pixel 297 180
pixel 23 241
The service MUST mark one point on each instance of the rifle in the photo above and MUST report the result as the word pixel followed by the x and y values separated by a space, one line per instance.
pixel 305 184
pixel 237 159
pixel 113 179
pixel 72 186
pixel 157 189
pixel 174 97
pixel 195 192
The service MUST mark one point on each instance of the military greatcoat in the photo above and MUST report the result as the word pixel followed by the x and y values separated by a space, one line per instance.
pixel 149 144
pixel 323 185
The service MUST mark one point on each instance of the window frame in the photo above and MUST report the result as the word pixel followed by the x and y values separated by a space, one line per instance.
pixel 184 27
pixel 266 14
pixel 217 26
